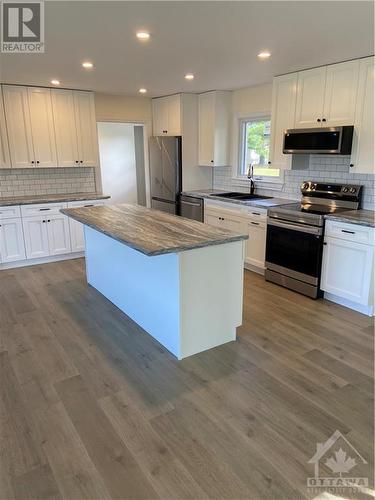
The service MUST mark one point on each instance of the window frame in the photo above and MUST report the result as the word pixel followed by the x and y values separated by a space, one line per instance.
pixel 264 179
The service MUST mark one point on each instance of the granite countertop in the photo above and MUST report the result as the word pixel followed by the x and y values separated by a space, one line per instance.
pixel 50 198
pixel 360 217
pixel 149 231
pixel 260 203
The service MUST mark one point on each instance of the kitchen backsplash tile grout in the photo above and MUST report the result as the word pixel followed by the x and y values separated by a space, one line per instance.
pixel 27 182
pixel 324 168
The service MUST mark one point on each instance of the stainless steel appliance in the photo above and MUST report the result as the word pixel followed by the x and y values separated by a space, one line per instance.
pixel 191 207
pixel 165 173
pixel 295 234
pixel 322 140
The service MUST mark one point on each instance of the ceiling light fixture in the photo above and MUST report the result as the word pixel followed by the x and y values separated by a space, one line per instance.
pixel 55 82
pixel 143 35
pixel 189 76
pixel 142 91
pixel 87 65
pixel 264 55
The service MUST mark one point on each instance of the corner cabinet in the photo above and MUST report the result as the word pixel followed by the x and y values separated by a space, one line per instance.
pixel 362 159
pixel 166 115
pixel 213 128
pixel 284 91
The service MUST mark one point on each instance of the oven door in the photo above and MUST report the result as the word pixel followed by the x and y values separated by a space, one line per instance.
pixel 294 250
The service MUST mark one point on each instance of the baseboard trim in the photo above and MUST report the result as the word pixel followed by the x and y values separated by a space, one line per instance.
pixel 255 269
pixel 368 310
pixel 43 260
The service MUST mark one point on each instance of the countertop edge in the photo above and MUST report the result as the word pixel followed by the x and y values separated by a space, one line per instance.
pixel 53 199
pixel 229 239
pixel 349 220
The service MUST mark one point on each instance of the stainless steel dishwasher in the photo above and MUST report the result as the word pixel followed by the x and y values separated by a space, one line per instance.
pixel 191 207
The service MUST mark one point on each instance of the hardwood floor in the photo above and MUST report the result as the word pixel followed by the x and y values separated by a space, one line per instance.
pixel 93 408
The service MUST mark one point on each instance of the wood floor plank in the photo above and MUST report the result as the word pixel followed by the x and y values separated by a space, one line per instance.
pixel 38 484
pixel 118 468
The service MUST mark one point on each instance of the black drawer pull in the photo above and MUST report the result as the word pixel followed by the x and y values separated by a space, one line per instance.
pixel 89 205
pixel 254 223
pixel 44 209
pixel 346 231
pixel 255 213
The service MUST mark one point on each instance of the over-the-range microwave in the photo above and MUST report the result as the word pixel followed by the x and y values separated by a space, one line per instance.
pixel 323 140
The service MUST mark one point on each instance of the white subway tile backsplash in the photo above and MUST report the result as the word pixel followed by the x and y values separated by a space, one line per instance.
pixel 27 182
pixel 321 167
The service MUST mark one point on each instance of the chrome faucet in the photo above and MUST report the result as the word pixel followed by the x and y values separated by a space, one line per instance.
pixel 250 176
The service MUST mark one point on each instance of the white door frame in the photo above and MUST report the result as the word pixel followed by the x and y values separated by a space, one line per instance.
pixel 144 125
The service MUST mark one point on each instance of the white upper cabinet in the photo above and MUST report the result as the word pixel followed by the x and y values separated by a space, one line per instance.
pixel 4 146
pixel 19 127
pixel 310 98
pixel 326 96
pixel 65 128
pixel 84 106
pixel 362 160
pixel 166 115
pixel 282 117
pixel 42 127
pixel 213 127
pixel 340 94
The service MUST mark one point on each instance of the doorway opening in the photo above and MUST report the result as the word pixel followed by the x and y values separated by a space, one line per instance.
pixel 122 162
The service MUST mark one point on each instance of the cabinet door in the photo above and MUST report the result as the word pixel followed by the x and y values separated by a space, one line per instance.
pixel 65 128
pixel 233 224
pixel 58 234
pixel 36 237
pixel 42 127
pixel 206 129
pixel 310 98
pixel 282 118
pixel 4 146
pixel 174 115
pixel 160 116
pixel 256 244
pixel 363 142
pixel 212 220
pixel 341 94
pixel 347 269
pixel 77 236
pixel 17 117
pixel 12 245
pixel 86 126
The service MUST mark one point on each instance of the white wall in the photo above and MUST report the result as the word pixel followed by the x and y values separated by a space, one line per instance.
pixel 117 160
pixel 120 108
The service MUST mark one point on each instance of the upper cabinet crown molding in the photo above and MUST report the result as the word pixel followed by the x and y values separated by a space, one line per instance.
pixel 214 126
pixel 49 127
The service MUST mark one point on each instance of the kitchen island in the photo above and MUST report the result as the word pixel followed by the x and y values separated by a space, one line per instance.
pixel 179 279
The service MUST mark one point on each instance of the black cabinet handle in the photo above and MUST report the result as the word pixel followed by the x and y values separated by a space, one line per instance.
pixel 49 220
pixel 212 161
pixel 324 243
pixel 32 161
pixel 77 161
pixel 346 231
pixel 254 223
pixel 44 209
pixel 81 161
pixel 43 221
pixel 351 165
pixel 324 120
pixel 318 120
pixel 255 213
pixel 269 163
pixel 37 161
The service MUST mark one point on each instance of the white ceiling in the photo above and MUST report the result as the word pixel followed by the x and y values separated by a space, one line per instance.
pixel 217 41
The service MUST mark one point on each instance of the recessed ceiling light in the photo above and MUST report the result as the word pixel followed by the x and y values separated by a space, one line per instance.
pixel 55 82
pixel 264 55
pixel 87 65
pixel 143 35
pixel 189 76
pixel 142 91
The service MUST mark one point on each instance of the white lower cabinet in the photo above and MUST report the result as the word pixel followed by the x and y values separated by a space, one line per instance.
pixel 240 219
pixel 12 247
pixel 348 265
pixel 77 236
pixel 36 237
pixel 58 235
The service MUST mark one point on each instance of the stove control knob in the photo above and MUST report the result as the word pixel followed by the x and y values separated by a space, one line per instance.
pixel 313 186
pixel 305 185
pixel 345 190
pixel 353 190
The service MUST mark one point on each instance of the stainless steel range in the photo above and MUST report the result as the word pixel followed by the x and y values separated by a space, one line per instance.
pixel 295 234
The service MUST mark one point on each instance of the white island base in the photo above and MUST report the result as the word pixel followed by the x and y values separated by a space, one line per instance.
pixel 189 301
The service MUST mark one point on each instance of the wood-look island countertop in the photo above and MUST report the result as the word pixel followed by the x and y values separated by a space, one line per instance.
pixel 150 231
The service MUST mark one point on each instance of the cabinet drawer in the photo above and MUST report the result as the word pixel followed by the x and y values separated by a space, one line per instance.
pixel 45 208
pixel 10 212
pixel 350 232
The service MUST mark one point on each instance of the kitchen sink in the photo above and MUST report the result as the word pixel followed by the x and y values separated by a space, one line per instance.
pixel 241 196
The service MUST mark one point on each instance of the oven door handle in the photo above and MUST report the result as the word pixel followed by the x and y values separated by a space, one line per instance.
pixel 295 227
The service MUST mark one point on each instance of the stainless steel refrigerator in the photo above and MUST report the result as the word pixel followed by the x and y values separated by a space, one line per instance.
pixel 165 173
